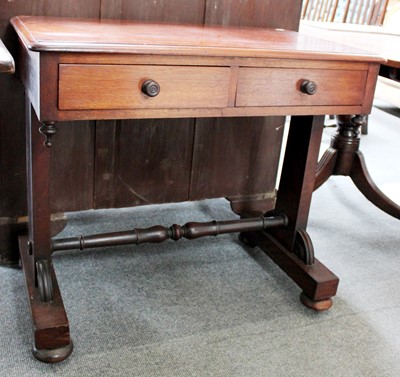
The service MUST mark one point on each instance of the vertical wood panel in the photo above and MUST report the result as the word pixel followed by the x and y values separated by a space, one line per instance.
pixel 284 14
pixel 235 157
pixel 104 169
pixel 111 9
pixel 12 148
pixel 72 167
pixel 153 161
pixel 180 11
pixel 55 8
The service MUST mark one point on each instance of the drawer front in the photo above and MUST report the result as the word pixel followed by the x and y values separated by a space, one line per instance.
pixel 112 87
pixel 282 87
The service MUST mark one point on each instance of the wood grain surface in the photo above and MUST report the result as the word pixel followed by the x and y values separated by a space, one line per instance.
pixel 80 35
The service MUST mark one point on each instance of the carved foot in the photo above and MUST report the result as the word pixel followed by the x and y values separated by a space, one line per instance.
pixel 369 189
pixel 53 355
pixel 317 305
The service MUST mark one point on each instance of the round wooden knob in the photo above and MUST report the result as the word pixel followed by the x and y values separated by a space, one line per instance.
pixel 308 87
pixel 150 88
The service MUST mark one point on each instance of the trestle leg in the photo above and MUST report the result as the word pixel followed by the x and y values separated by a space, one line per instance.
pixel 291 247
pixel 52 342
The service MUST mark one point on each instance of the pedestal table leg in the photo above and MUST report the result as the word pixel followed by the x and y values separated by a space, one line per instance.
pixel 344 157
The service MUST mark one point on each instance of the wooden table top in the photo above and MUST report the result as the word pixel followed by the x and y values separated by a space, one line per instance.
pixel 6 60
pixel 115 36
pixel 378 39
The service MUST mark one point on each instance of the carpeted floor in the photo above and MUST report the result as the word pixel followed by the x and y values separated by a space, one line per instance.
pixel 213 307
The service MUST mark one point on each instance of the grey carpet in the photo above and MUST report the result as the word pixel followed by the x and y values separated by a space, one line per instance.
pixel 212 307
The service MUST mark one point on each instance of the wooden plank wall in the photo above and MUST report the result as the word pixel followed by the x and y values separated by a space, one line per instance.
pixel 99 165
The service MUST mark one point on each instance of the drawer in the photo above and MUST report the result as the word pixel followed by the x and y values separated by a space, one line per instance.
pixel 282 87
pixel 112 87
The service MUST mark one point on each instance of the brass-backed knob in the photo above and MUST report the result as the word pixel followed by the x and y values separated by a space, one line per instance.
pixel 150 88
pixel 308 87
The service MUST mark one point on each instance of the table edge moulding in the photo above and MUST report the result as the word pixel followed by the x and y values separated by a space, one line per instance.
pixel 87 69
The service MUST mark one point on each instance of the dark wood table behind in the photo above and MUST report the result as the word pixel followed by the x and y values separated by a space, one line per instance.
pixel 344 156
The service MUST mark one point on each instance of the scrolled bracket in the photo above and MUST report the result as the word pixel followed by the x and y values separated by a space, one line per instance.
pixel 304 248
pixel 44 280
pixel 48 129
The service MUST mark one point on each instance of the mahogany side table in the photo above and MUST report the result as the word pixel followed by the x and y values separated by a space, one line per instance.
pixel 89 69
